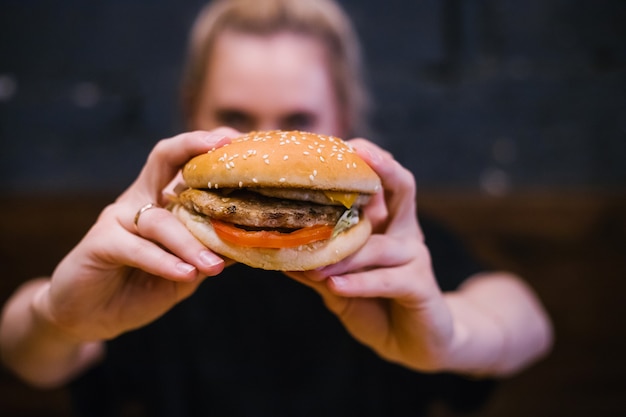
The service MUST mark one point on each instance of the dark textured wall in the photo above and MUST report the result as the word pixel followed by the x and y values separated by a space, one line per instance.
pixel 492 95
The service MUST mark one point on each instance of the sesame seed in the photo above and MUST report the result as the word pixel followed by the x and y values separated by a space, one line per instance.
pixel 240 184
pixel 254 180
pixel 281 180
pixel 312 177
pixel 285 157
pixel 306 153
pixel 322 159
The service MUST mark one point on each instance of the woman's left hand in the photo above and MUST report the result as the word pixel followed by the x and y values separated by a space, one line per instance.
pixel 386 294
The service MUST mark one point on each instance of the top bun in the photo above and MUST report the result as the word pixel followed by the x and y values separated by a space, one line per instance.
pixel 283 159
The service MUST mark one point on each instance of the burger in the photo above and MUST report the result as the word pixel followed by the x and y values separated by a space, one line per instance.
pixel 279 200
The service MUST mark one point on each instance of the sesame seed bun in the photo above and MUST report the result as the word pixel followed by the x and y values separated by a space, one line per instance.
pixel 283 159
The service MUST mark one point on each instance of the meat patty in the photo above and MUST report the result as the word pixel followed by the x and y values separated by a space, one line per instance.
pixel 250 209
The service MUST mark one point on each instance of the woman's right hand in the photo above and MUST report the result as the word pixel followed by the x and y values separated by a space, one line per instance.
pixel 125 274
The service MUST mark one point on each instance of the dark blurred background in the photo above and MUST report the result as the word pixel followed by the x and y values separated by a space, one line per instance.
pixel 511 114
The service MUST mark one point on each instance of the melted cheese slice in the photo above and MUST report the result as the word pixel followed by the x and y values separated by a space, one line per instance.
pixel 347 199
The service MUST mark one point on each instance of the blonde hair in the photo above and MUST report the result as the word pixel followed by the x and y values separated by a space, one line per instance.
pixel 321 19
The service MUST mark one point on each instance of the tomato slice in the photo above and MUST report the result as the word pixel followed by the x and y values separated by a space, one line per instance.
pixel 270 238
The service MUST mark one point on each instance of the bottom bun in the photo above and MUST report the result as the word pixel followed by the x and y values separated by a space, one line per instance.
pixel 301 258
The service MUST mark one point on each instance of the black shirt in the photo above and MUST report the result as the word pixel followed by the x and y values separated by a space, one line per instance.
pixel 255 343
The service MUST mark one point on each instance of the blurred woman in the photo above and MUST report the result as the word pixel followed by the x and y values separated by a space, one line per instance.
pixel 392 330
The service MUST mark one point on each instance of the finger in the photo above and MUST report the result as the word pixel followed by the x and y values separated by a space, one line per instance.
pixel 166 158
pixel 379 251
pixel 377 212
pixel 161 226
pixel 411 281
pixel 169 155
pixel 398 185
pixel 389 283
pixel 136 252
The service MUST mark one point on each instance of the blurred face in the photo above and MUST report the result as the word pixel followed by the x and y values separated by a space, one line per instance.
pixel 280 81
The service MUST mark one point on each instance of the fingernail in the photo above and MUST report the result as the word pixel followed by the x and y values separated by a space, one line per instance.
pixel 339 282
pixel 374 156
pixel 185 267
pixel 209 258
pixel 215 140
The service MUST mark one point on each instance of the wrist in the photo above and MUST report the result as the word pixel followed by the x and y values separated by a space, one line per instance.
pixel 479 343
pixel 44 320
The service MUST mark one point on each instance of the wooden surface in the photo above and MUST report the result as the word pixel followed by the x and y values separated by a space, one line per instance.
pixel 571 247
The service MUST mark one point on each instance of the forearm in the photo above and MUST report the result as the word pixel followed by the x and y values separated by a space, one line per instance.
pixel 34 349
pixel 500 326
